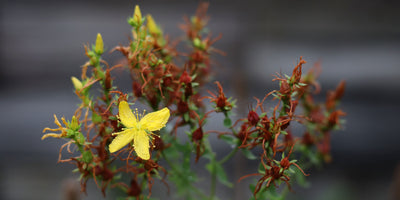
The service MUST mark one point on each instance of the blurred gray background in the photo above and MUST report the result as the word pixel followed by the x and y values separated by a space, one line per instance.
pixel 358 41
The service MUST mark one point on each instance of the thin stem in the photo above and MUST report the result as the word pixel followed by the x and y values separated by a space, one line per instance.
pixel 213 183
pixel 173 167
pixel 229 156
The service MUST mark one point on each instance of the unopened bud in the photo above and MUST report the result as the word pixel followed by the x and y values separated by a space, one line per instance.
pixel 99 48
pixel 74 125
pixel 137 16
pixel 77 83
pixel 152 26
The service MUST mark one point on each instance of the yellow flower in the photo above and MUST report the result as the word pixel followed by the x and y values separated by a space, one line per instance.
pixel 138 129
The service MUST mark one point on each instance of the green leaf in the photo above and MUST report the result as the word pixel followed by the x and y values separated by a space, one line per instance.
pixel 216 168
pixel 230 139
pixel 87 156
pixel 221 175
pixel 302 84
pixel 249 155
pixel 300 178
pixel 186 117
pixel 227 122
pixel 80 139
pixel 96 118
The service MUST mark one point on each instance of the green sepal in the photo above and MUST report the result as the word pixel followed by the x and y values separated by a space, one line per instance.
pixel 80 139
pixel 87 156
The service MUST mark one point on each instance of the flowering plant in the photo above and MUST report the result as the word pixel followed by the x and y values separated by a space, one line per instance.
pixel 125 150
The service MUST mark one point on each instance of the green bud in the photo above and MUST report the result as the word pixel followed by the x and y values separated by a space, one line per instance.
pixel 198 43
pixel 96 118
pixel 74 125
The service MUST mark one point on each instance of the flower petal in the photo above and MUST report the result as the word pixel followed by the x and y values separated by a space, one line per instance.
pixel 156 120
pixel 122 139
pixel 141 144
pixel 126 115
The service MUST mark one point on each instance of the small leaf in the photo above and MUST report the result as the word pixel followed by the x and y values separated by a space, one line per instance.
pixel 221 175
pixel 227 122
pixel 249 155
pixel 87 156
pixel 96 118
pixel 80 139
pixel 186 117
pixel 302 84
pixel 229 139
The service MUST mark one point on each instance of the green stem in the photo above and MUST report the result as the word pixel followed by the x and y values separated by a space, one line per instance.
pixel 213 183
pixel 176 171
pixel 229 156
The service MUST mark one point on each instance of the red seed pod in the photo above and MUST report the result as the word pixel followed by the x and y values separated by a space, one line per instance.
pixel 197 57
pixel 243 132
pixel 275 172
pixel 197 100
pixel 296 76
pixel 285 163
pixel 188 90
pixel 158 71
pixel 107 174
pixel 150 165
pixel 107 82
pixel 292 108
pixel 253 118
pixel 307 139
pixel 167 81
pixel 340 90
pixel 330 100
pixel 265 122
pixel 197 134
pixel 285 88
pixel 289 140
pixel 134 189
pixel 334 117
pixel 317 116
pixel 285 122
pixel 137 89
pixel 98 170
pixel 221 102
pixel 183 107
pixel 158 143
pixel 185 78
